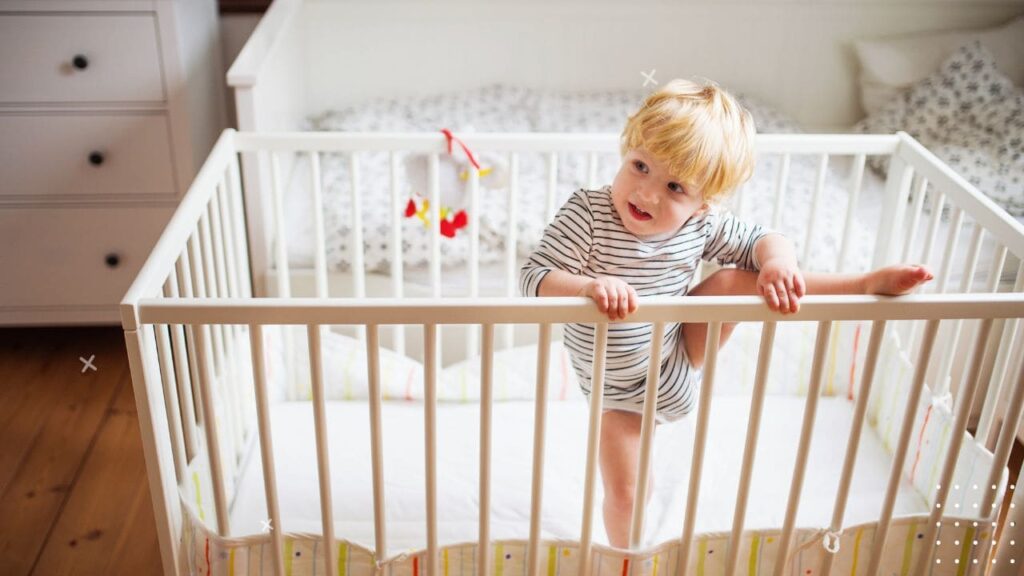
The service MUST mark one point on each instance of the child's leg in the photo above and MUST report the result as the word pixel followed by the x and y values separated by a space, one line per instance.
pixel 891 280
pixel 619 455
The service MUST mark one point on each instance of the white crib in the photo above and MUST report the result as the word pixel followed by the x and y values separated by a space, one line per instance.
pixel 208 383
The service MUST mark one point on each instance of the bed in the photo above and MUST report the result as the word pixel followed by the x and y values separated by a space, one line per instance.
pixel 232 318
pixel 228 383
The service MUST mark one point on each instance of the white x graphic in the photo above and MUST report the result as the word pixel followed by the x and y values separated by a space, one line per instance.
pixel 267 527
pixel 88 363
pixel 649 77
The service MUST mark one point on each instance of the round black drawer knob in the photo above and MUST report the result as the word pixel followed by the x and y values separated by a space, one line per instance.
pixel 80 62
pixel 96 158
pixel 112 260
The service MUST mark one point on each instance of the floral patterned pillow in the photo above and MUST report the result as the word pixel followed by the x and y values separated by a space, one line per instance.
pixel 972 116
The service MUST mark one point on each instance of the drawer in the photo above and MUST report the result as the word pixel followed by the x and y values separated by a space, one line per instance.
pixel 59 257
pixel 79 58
pixel 75 155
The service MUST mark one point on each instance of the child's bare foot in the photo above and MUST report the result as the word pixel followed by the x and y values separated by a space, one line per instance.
pixel 897 279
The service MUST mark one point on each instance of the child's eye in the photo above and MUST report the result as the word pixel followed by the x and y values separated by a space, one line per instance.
pixel 676 187
pixel 639 165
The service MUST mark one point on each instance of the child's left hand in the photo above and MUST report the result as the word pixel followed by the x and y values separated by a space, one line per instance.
pixel 781 284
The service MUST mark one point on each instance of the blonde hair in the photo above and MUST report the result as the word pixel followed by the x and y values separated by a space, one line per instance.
pixel 700 132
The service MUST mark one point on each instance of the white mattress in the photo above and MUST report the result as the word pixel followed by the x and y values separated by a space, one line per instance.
pixel 458 498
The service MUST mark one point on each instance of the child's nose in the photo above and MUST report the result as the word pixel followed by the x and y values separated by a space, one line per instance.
pixel 648 194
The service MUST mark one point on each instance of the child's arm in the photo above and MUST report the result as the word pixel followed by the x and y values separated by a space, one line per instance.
pixel 779 279
pixel 613 297
pixel 556 267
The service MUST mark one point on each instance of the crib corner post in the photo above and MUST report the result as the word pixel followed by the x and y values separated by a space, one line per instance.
pixel 156 447
pixel 894 203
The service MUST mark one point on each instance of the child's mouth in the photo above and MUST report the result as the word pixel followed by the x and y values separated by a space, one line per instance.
pixel 638 213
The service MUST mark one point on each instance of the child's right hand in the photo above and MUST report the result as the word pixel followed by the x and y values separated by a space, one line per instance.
pixel 614 297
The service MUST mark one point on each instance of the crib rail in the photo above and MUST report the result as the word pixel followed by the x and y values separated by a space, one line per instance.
pixel 487 313
pixel 190 318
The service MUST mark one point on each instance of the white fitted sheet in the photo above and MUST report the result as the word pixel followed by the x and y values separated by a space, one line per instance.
pixel 458 452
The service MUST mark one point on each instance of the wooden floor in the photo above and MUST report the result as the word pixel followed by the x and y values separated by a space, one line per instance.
pixel 73 492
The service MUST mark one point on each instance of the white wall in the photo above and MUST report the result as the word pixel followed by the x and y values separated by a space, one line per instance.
pixel 234 31
pixel 799 44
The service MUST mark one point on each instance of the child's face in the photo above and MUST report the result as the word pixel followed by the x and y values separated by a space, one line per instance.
pixel 649 200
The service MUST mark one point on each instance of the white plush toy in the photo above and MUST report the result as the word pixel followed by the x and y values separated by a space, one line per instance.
pixel 453 173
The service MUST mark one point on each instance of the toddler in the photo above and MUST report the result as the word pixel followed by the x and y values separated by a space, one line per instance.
pixel 688 146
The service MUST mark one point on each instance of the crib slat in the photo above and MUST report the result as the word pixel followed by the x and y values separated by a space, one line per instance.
pixel 228 239
pixel 897 189
pixel 819 186
pixel 856 180
pixel 319 242
pixel 212 429
pixel 926 258
pixel 376 442
pixel 920 191
pixel 952 241
pixel 945 373
pixel 266 437
pixel 1007 436
pixel 284 281
pixel 804 448
pixel 430 435
pixel 434 192
pixel 474 255
pixel 915 220
pixel 593 446
pixel 224 356
pixel 483 567
pixel 212 274
pixel 1000 371
pixel 163 491
pixel 511 272
pixel 647 424
pixel 963 411
pixel 217 244
pixel 592 171
pixel 203 280
pixel 170 388
pixel 235 291
pixel 358 268
pixel 539 426
pixel 853 442
pixel 238 226
pixel 206 267
pixel 182 369
pixel 699 445
pixel 552 190
pixel 190 288
pixel 933 228
pixel 906 429
pixel 998 264
pixel 396 247
pixel 992 287
pixel 323 453
pixel 764 357
pixel 781 181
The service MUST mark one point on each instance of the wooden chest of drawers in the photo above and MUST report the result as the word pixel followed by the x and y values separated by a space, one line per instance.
pixel 107 109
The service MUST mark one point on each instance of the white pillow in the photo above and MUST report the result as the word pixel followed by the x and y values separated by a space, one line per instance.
pixel 891 65
pixel 971 116
pixel 515 373
pixel 344 361
pixel 346 378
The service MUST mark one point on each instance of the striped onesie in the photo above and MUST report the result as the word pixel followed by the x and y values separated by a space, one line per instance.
pixel 587 238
